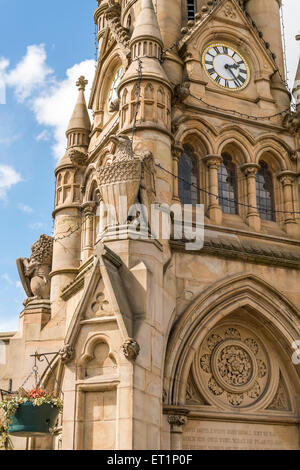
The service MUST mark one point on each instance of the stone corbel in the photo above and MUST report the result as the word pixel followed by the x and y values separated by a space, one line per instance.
pixel 114 106
pixel 66 353
pixel 131 349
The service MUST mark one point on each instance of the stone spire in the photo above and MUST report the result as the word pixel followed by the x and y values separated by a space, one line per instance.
pixel 80 118
pixel 147 25
pixel 146 47
pixel 78 131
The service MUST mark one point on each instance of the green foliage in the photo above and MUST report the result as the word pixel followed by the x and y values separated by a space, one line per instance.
pixel 11 405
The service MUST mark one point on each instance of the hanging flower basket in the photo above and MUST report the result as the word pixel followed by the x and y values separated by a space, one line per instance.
pixel 29 414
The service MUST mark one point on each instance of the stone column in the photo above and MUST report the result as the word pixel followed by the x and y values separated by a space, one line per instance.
pixel 176 153
pixel 213 163
pixel 88 233
pixel 286 178
pixel 250 170
pixel 176 422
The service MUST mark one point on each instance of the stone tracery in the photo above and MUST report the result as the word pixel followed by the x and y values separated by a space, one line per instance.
pixel 233 365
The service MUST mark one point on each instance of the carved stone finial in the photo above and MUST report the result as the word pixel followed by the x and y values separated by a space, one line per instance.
pixel 66 353
pixel 34 271
pixel 131 349
pixel 82 83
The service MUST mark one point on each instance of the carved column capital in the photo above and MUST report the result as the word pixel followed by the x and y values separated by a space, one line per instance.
pixel 177 420
pixel 88 208
pixel 286 178
pixel 250 169
pixel 213 161
pixel 177 150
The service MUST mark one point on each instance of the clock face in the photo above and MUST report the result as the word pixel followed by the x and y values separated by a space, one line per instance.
pixel 226 67
pixel 113 93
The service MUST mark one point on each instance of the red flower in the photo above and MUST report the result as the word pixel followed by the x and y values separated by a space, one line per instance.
pixel 37 393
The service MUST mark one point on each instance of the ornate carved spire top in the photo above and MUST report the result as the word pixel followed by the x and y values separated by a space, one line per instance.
pixel 82 83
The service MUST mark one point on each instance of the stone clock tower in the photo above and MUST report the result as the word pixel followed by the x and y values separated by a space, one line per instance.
pixel 159 346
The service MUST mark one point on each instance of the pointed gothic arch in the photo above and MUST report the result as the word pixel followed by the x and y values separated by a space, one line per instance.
pixel 248 292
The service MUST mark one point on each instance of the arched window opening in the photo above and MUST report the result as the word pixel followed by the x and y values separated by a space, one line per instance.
pixel 227 182
pixel 265 192
pixel 188 171
pixel 191 9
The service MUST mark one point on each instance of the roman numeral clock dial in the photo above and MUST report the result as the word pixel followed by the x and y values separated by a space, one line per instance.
pixel 226 67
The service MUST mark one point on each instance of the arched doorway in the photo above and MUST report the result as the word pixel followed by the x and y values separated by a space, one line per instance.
pixel 229 379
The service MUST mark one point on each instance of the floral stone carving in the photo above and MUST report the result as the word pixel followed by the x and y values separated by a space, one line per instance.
pixel 232 366
pixel 34 271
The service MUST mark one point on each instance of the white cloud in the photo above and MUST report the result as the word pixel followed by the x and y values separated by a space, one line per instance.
pixel 25 208
pixel 55 105
pixel 9 281
pixel 36 226
pixel 30 73
pixel 51 100
pixel 43 136
pixel 291 11
pixel 8 178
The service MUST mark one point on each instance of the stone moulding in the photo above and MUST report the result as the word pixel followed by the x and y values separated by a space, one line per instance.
pixel 72 288
pixel 249 252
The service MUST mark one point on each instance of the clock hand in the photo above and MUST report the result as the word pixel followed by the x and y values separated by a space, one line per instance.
pixel 231 66
pixel 227 67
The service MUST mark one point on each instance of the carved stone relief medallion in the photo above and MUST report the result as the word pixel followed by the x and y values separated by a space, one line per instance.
pixel 232 367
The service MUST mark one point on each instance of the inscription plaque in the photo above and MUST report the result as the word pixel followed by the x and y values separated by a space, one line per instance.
pixel 213 435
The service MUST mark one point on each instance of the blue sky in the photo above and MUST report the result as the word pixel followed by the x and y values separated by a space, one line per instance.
pixel 44 47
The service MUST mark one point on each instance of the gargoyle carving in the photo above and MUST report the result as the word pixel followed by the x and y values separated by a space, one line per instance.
pixel 34 271
pixel 123 148
pixel 291 122
pixel 182 92
pixel 78 158
pixel 66 353
pixel 114 105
